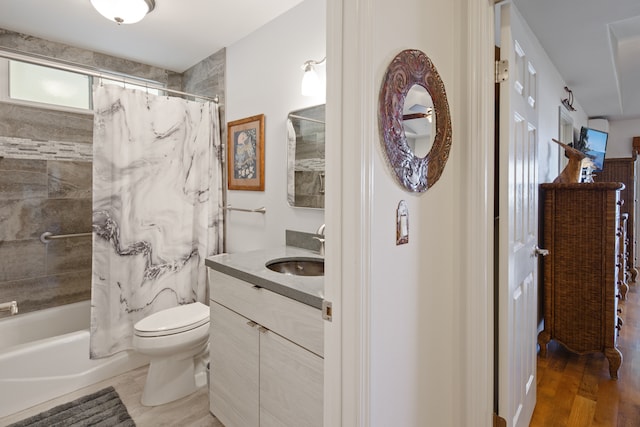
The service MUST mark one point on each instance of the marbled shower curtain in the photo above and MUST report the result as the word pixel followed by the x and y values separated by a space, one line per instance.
pixel 157 208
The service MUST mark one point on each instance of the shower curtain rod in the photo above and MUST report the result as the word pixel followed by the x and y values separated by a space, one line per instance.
pixel 46 61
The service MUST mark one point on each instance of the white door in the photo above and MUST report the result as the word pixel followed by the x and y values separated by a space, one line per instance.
pixel 517 225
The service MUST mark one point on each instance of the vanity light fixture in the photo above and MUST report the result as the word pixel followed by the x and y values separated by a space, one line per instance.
pixel 124 11
pixel 310 81
pixel 568 101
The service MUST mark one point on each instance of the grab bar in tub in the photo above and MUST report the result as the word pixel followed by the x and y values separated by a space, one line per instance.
pixel 47 236
pixel 11 306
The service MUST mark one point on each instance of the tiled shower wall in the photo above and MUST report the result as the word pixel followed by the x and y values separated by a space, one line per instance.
pixel 45 179
pixel 45 185
pixel 38 196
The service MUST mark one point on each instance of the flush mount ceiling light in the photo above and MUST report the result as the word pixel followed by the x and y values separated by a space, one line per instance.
pixel 124 11
pixel 310 81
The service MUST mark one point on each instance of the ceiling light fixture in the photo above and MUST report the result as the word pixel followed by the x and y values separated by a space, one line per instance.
pixel 310 81
pixel 124 11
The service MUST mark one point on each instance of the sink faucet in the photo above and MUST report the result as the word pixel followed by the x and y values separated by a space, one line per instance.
pixel 320 239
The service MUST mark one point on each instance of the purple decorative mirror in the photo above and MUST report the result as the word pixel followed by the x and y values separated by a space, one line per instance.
pixel 414 120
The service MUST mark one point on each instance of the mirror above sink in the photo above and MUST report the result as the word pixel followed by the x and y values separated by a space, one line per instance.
pixel 305 157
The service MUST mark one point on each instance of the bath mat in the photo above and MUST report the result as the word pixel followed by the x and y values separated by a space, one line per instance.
pixel 103 408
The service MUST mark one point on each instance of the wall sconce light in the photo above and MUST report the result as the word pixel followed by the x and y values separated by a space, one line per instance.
pixel 568 102
pixel 310 81
pixel 124 11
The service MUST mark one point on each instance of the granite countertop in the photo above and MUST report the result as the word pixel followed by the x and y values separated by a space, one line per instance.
pixel 250 267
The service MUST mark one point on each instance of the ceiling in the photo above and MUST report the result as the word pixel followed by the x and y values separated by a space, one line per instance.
pixel 595 46
pixel 175 35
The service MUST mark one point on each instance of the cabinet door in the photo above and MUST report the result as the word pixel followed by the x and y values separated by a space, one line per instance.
pixel 234 356
pixel 291 383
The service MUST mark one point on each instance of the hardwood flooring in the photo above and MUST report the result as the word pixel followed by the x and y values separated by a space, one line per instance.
pixel 576 391
pixel 191 411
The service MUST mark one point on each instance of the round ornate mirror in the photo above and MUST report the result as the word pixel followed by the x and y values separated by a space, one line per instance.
pixel 414 120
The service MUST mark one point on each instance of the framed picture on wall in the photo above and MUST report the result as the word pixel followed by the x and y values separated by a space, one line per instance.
pixel 245 154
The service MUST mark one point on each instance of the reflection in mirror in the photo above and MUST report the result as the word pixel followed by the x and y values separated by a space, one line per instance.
pixel 419 120
pixel 565 135
pixel 305 161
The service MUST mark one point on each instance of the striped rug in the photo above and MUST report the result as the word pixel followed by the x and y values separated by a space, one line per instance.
pixel 103 408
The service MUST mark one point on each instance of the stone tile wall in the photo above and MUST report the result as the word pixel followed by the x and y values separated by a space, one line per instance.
pixel 38 196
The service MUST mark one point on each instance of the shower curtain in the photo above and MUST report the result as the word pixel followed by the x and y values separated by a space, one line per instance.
pixel 157 208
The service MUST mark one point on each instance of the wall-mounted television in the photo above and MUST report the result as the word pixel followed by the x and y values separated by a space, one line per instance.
pixel 593 143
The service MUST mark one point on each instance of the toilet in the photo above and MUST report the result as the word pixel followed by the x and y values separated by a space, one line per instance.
pixel 176 341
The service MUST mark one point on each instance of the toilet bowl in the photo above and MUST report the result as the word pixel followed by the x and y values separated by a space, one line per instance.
pixel 176 341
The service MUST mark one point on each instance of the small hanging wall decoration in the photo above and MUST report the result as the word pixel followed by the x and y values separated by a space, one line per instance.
pixel 245 154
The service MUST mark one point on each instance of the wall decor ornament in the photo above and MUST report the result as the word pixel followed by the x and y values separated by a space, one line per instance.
pixel 411 68
pixel 245 153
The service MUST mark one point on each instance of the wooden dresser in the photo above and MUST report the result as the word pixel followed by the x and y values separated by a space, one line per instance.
pixel 581 229
pixel 624 170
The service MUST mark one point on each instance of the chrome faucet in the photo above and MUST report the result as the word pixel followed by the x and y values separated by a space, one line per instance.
pixel 11 307
pixel 320 239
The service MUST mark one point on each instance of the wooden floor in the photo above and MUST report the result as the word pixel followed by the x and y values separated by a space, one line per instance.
pixel 191 411
pixel 577 391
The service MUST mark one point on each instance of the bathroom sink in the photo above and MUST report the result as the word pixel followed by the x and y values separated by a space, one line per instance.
pixel 298 266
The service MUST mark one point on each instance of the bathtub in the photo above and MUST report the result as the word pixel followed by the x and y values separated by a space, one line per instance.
pixel 45 354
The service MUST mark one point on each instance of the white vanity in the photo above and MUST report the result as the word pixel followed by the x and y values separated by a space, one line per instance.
pixel 266 347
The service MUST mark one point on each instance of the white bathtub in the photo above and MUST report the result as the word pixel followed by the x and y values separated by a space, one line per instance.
pixel 45 354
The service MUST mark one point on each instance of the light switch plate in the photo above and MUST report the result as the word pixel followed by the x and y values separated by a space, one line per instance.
pixel 402 223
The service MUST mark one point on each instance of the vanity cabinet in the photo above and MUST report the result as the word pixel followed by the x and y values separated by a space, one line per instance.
pixel 266 357
pixel 581 229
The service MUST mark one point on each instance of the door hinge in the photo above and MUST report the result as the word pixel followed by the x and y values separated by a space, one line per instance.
pixel 327 312
pixel 498 421
pixel 502 71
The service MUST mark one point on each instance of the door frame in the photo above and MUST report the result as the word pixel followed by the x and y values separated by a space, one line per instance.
pixel 478 381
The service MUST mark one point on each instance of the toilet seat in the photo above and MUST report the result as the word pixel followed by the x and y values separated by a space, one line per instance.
pixel 173 320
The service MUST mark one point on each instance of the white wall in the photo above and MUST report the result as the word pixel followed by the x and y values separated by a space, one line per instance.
pixel 263 77
pixel 550 94
pixel 621 133
pixel 408 292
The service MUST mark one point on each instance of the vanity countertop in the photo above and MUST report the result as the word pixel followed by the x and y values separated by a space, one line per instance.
pixel 250 267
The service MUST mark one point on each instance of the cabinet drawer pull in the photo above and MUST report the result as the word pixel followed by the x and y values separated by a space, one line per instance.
pixel 263 329
pixel 252 324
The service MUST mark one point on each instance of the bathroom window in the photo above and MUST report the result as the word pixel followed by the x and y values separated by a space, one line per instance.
pixel 42 86
pixel 35 83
